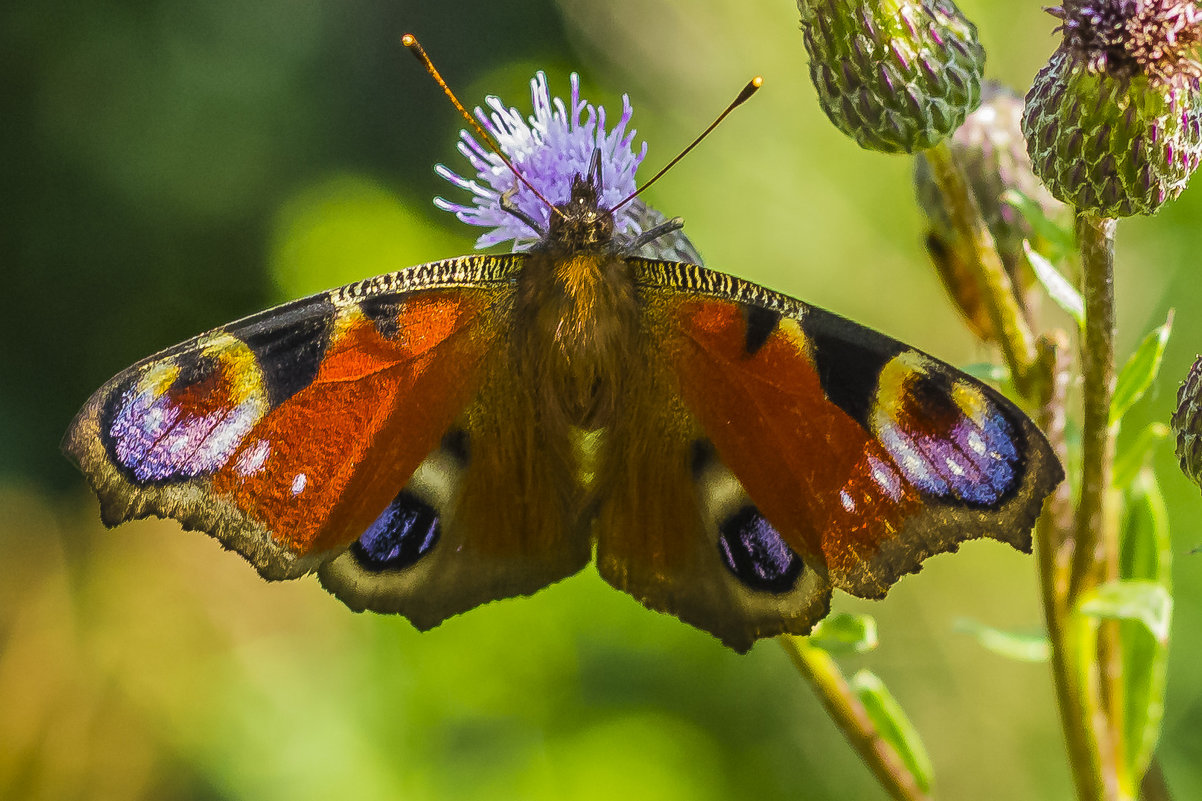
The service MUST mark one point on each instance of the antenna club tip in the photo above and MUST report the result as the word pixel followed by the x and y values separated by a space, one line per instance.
pixel 408 40
pixel 750 89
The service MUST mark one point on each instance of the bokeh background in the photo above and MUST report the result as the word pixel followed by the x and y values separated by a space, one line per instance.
pixel 170 165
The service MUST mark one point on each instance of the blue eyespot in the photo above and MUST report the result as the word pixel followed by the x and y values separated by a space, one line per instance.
pixel 755 553
pixel 403 533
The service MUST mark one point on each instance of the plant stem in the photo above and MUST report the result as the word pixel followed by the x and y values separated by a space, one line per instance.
pixel 1054 554
pixel 1014 335
pixel 845 709
pixel 1094 532
pixel 1095 540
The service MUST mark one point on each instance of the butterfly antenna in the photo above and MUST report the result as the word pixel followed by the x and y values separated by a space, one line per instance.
pixel 750 89
pixel 415 47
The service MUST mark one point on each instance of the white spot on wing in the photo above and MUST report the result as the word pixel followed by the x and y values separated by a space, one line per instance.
pixel 846 500
pixel 252 459
pixel 884 476
pixel 298 483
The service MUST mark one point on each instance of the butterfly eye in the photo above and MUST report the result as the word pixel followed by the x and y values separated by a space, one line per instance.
pixel 402 534
pixel 755 553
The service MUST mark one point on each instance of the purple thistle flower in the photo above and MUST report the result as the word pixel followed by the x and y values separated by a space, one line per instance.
pixel 549 149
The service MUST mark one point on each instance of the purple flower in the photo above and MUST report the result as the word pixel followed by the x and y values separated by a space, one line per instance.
pixel 549 148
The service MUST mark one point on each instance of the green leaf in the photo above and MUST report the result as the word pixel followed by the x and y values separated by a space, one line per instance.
pixel 895 728
pixel 1146 553
pixel 1147 602
pixel 1132 458
pixel 1019 646
pixel 1064 294
pixel 1145 548
pixel 844 634
pixel 1060 237
pixel 1140 370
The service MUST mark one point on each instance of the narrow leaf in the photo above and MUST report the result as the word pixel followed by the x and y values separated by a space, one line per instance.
pixel 844 634
pixel 1061 238
pixel 1145 548
pixel 1132 458
pixel 1147 602
pixel 1146 553
pixel 1140 370
pixel 895 728
pixel 1019 646
pixel 1064 294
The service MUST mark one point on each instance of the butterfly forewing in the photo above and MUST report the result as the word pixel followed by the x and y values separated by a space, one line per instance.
pixel 862 452
pixel 287 433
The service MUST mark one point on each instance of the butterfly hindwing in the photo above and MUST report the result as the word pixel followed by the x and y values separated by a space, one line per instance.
pixel 492 513
pixel 865 455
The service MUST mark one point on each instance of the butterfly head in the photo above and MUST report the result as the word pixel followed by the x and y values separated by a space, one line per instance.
pixel 581 223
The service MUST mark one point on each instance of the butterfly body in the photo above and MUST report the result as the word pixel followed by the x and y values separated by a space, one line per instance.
pixel 576 314
pixel 478 428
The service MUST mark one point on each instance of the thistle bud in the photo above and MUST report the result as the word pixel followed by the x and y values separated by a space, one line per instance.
pixel 989 147
pixel 1187 424
pixel 895 75
pixel 1113 122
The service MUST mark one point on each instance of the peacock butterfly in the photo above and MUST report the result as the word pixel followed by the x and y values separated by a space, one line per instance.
pixel 476 428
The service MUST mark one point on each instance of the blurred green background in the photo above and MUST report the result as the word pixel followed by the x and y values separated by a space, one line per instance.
pixel 173 165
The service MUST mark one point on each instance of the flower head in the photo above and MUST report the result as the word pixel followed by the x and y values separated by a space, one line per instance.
pixel 549 148
pixel 1113 122
pixel 1133 37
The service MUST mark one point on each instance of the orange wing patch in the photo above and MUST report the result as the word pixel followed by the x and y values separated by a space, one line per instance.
pixel 813 471
pixel 376 407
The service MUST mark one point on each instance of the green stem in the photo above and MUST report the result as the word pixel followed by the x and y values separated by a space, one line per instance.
pixel 1095 535
pixel 1092 528
pixel 845 709
pixel 1001 302
pixel 1053 554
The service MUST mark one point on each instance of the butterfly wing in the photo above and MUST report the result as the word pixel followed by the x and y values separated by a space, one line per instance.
pixel 336 432
pixel 819 453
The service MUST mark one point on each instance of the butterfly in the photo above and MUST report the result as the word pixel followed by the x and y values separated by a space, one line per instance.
pixel 478 428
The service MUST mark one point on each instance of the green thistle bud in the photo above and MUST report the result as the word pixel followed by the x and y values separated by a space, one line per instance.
pixel 1114 120
pixel 1187 424
pixel 895 75
pixel 989 147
